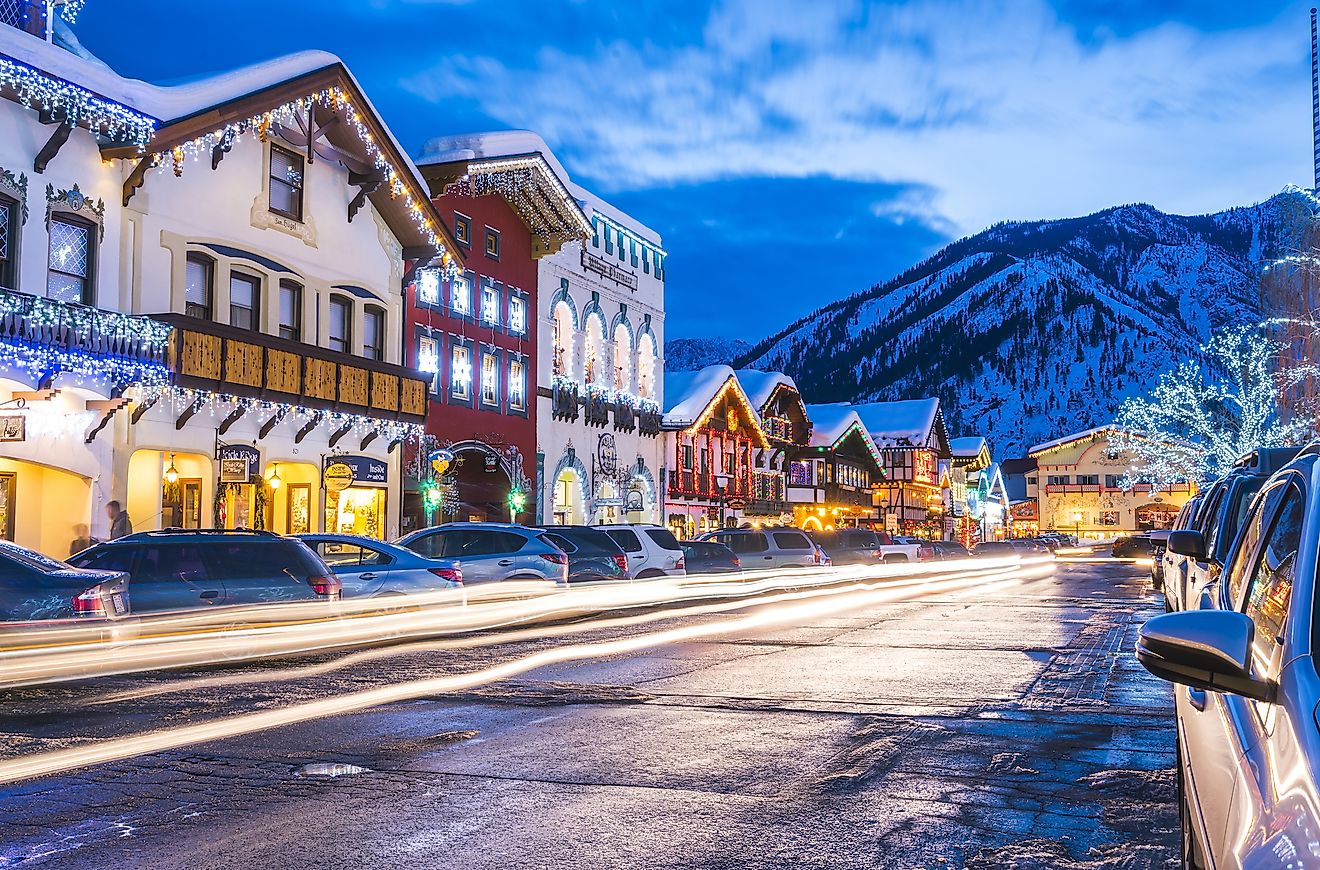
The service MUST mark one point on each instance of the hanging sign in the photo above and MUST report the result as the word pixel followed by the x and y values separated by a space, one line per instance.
pixel 238 463
pixel 492 463
pixel 363 470
pixel 441 460
pixel 337 476
pixel 13 427
pixel 634 502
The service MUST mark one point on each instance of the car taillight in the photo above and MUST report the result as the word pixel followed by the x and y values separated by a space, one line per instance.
pixel 453 575
pixel 326 587
pixel 556 558
pixel 620 560
pixel 737 563
pixel 681 564
pixel 88 603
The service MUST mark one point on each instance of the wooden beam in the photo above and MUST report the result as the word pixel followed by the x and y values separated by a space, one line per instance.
pixel 218 153
pixel 136 178
pixel 270 424
pixel 420 255
pixel 306 429
pixel 339 434
pixel 106 408
pixel 189 412
pixel 234 416
pixel 142 408
pixel 367 183
pixel 52 147
pixel 371 436
pixel 43 395
pixel 395 443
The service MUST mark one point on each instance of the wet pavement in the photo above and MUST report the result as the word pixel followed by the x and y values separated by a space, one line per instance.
pixel 1006 730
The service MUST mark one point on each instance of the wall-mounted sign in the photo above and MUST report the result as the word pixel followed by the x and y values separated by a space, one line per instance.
pixel 13 427
pixel 609 270
pixel 441 460
pixel 736 504
pixel 491 463
pixel 365 470
pixel 238 463
pixel 923 466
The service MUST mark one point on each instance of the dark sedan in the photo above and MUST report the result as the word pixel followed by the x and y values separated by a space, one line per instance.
pixel 34 587
pixel 708 557
pixel 593 556
pixel 1133 547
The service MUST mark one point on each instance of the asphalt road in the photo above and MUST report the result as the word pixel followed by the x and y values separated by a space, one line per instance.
pixel 1012 729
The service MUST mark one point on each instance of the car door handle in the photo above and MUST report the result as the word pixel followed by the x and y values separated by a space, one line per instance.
pixel 370 575
pixel 506 562
pixel 767 557
pixel 211 594
pixel 1196 697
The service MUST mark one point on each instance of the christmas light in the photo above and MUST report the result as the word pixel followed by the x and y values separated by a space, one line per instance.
pixel 77 105
pixel 428 286
pixel 69 9
pixel 287 115
pixel 533 189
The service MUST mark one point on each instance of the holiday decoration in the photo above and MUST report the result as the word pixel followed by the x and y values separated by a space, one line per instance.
pixel 534 191
pixel 76 105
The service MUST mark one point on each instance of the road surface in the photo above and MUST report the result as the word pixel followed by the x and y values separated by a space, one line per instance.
pixel 983 730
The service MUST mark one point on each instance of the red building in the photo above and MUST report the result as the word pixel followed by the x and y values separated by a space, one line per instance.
pixel 475 331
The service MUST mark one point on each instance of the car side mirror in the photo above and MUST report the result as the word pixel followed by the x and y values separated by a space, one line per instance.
pixel 1188 543
pixel 1206 649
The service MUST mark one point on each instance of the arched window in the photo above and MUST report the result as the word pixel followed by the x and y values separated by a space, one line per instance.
pixel 563 339
pixel 198 286
pixel 646 366
pixel 72 262
pixel 593 351
pixel 622 358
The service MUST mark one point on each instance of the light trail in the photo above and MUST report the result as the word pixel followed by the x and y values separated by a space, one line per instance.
pixel 834 601
pixel 231 635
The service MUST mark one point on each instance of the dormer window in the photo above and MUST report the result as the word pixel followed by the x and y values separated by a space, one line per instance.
pixel 286 183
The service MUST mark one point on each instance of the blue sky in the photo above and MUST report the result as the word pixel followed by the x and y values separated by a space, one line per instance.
pixel 792 153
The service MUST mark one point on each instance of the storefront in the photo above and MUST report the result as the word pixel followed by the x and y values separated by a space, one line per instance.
pixel 356 495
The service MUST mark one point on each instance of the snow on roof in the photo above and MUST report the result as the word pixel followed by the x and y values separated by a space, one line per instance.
pixel 969 446
pixel 1068 439
pixel 489 146
pixel 760 386
pixel 906 423
pixel 687 394
pixel 829 423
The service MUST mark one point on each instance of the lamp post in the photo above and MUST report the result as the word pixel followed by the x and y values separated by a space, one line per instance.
pixel 1077 526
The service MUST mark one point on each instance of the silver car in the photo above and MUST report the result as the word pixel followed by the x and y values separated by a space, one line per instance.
pixel 491 552
pixel 368 567
pixel 1248 693
pixel 769 548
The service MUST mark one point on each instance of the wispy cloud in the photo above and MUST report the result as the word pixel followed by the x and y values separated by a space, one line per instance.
pixel 1000 109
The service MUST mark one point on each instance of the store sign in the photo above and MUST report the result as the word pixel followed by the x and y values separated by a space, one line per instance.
pixel 337 476
pixel 492 463
pixel 609 270
pixel 13 427
pixel 634 500
pixel 737 504
pixel 362 470
pixel 238 463
pixel 923 466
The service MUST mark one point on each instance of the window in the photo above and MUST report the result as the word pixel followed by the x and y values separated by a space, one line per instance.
pixel 517 385
pixel 609 240
pixel 286 183
pixel 622 358
pixel 428 287
pixel 1272 581
pixel 1239 572
pixel 244 301
pixel 1058 480
pixel 490 378
pixel 1088 479
pixel 659 266
pixel 646 366
pixel 517 314
pixel 621 251
pixel 72 260
pixel 9 223
pixel 1113 481
pixel 460 296
pixel 632 248
pixel 462 229
pixel 687 456
pixel 595 232
pixel 492 243
pixel 291 294
pixel 490 304
pixel 339 335
pixel 373 333
pixel 563 336
pixel 460 372
pixel 626 539
pixel 792 541
pixel 799 474
pixel 646 260
pixel 198 286
pixel 428 357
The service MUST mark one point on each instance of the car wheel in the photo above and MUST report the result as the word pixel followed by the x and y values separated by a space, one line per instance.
pixel 650 575
pixel 1189 853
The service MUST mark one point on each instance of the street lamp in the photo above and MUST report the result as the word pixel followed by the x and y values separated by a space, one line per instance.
pixel 1077 526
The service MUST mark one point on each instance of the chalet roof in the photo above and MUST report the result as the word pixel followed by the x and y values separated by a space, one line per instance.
pixel 967 447
pixel 760 386
pixel 1068 439
pixel 831 423
pixel 1012 467
pixel 516 164
pixel 906 423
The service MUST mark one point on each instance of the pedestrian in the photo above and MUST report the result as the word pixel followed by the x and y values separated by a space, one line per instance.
pixel 82 539
pixel 120 524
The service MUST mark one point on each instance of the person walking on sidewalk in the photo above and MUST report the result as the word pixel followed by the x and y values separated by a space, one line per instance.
pixel 120 524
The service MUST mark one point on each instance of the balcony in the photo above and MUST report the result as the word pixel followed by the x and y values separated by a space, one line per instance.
pixel 625 417
pixel 706 485
pixel 27 15
pixel 564 401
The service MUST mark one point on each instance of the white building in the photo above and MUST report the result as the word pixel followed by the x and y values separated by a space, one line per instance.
pixel 600 372
pixel 271 265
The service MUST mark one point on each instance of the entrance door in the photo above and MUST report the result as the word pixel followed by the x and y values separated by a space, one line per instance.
pixel 7 505
pixel 192 503
pixel 300 508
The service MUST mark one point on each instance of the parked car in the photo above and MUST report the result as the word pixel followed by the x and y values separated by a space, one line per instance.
pixel 1132 547
pixel 1159 540
pixel 1169 568
pixel 708 557
pixel 367 567
pixel 1248 749
pixel 182 569
pixel 949 550
pixel 768 548
pixel 864 547
pixel 652 551
pixel 1224 506
pixel 491 552
pixel 998 549
pixel 593 556
pixel 35 587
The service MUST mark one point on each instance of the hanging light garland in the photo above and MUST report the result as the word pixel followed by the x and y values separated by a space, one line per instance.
pixel 534 190
pixel 84 322
pixel 286 115
pixel 87 369
pixel 69 10
pixel 76 104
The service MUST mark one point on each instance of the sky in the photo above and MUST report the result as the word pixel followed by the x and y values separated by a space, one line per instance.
pixel 793 153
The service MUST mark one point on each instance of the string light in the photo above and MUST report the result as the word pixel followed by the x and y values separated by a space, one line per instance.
pixel 534 191
pixel 287 115
pixel 76 104
pixel 69 10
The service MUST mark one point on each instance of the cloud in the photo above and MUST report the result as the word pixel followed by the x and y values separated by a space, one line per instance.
pixel 999 109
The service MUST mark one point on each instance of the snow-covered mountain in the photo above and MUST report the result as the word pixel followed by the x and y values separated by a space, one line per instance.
pixel 690 354
pixel 1027 331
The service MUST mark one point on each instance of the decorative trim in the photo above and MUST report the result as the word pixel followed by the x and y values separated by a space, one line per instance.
pixel 17 185
pixel 75 201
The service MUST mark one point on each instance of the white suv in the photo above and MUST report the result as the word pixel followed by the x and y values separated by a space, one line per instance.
pixel 652 551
